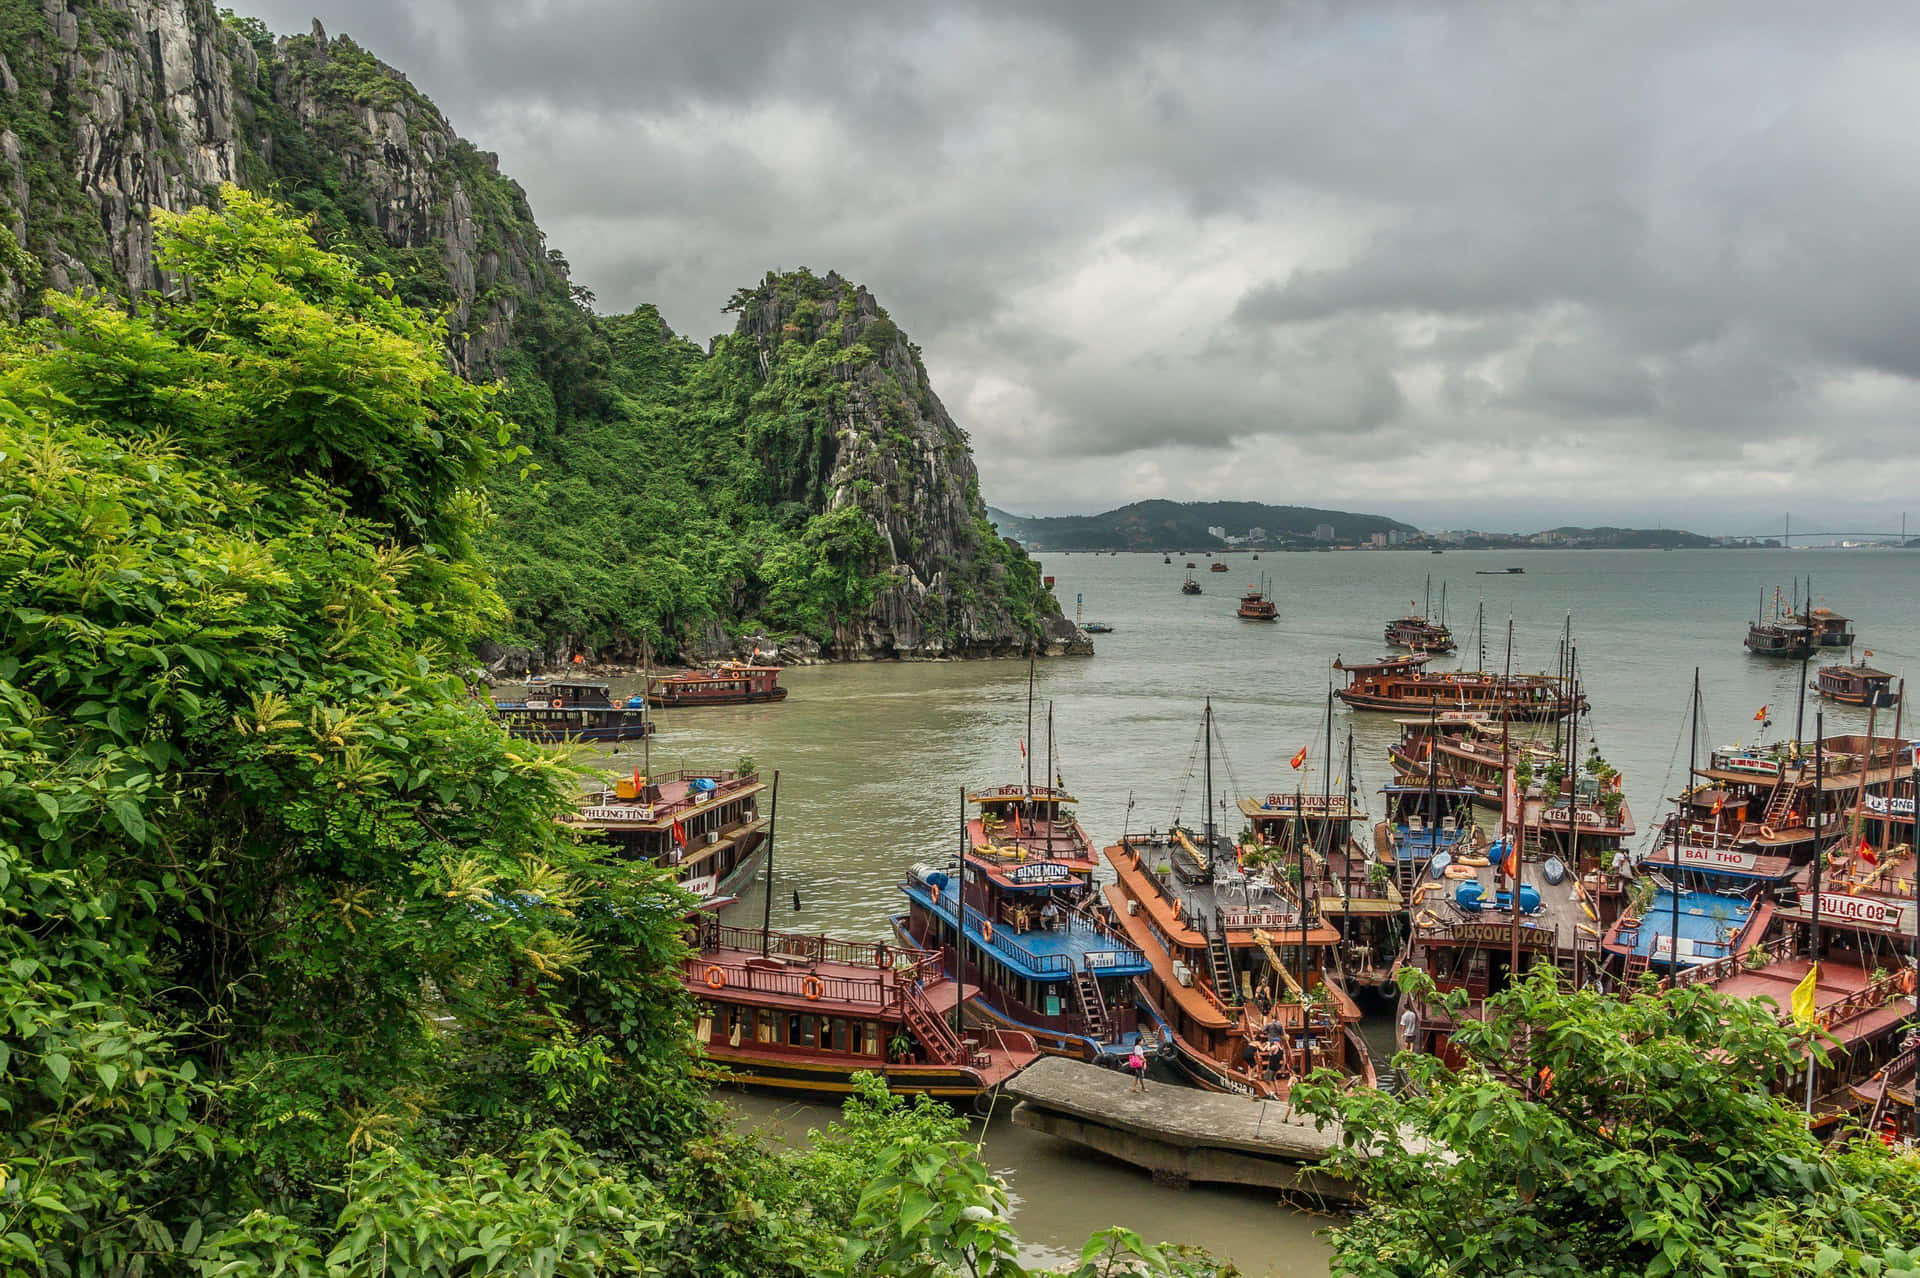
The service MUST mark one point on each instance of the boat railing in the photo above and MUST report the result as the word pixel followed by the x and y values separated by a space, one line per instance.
pixel 771 977
pixel 1720 969
pixel 815 947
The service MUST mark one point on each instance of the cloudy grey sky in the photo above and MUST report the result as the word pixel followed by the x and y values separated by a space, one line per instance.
pixel 1501 265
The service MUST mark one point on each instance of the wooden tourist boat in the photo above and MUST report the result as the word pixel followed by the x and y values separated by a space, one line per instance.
pixel 1830 629
pixel 734 683
pixel 1258 605
pixel 574 710
pixel 1217 566
pixel 1244 986
pixel 1422 823
pixel 706 826
pixel 1778 632
pixel 797 1013
pixel 1042 961
pixel 1856 685
pixel 1420 631
pixel 1189 586
pixel 1781 800
pixel 1401 684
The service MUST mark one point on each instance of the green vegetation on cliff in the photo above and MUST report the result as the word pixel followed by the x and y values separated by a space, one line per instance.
pixel 300 974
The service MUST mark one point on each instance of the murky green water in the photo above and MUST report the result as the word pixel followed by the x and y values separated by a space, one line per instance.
pixel 873 757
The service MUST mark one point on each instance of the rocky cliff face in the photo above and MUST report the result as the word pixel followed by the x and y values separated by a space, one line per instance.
pixel 882 441
pixel 110 108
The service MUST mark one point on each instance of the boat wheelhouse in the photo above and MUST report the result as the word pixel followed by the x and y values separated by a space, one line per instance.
pixel 1856 685
pixel 733 683
pixel 1402 684
pixel 574 710
pixel 1830 629
pixel 1422 824
pixel 706 827
pixel 799 1013
pixel 1315 834
pixel 1040 960
pixel 1018 823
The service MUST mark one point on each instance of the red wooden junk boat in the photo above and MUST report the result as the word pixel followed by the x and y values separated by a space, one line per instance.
pixel 797 1013
pixel 1856 685
pixel 734 683
pixel 1420 631
pixel 1257 604
pixel 1401 684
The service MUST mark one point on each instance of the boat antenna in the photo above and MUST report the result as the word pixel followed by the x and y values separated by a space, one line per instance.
pixel 1206 727
pixel 766 911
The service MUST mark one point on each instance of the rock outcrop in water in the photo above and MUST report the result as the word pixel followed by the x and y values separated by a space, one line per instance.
pixel 112 108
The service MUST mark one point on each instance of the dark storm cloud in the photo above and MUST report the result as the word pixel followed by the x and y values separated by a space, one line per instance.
pixel 1158 249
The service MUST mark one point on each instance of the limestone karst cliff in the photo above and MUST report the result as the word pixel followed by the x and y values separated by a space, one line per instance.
pixel 797 484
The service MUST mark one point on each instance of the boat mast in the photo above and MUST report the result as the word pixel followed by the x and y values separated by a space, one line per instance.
pixel 1046 782
pixel 1300 866
pixel 1819 853
pixel 766 911
pixel 960 917
pixel 1428 612
pixel 1693 756
pixel 646 698
pixel 1346 847
pixel 1516 833
pixel 1480 629
pixel 1443 601
pixel 1206 721
pixel 1028 742
pixel 1893 764
pixel 1573 764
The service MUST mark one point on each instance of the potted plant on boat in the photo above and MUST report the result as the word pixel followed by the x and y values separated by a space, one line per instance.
pixel 1639 898
pixel 900 1048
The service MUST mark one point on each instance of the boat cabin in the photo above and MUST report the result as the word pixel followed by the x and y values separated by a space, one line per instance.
pixel 574 710
pixel 1401 684
pixel 1856 685
pixel 705 826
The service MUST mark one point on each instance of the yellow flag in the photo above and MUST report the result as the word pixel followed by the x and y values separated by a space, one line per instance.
pixel 1803 996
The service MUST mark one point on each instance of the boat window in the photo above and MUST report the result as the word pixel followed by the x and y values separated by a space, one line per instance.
pixel 873 1039
pixel 806 1031
pixel 839 1034
pixel 769 1026
pixel 793 1027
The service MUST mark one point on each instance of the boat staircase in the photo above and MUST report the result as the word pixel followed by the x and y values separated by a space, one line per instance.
pixel 943 1046
pixel 1220 959
pixel 1778 805
pixel 1637 963
pixel 1900 1065
pixel 1093 1008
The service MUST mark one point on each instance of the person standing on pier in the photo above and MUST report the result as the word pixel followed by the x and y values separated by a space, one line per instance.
pixel 1137 1066
pixel 1409 1023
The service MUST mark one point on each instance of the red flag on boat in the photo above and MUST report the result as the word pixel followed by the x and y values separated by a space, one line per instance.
pixel 1719 801
pixel 637 782
pixel 679 833
pixel 1511 866
pixel 1023 747
pixel 1866 852
pixel 1760 715
pixel 1300 757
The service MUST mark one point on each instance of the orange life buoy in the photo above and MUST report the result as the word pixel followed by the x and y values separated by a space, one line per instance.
pixel 811 987
pixel 715 977
pixel 986 929
pixel 1766 832
pixel 934 892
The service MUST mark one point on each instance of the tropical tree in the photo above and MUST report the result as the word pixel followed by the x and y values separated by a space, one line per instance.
pixel 1581 1134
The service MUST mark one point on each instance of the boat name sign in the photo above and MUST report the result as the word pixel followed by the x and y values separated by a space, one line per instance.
pixel 702 885
pixel 1861 909
pixel 642 812
pixel 1878 803
pixel 1717 858
pixel 1499 934
pixel 1041 872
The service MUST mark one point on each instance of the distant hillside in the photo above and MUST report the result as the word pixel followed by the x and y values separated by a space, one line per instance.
pixel 1173 525
pixel 1607 537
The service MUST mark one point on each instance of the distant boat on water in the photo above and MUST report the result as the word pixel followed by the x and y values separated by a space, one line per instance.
pixel 1495 572
pixel 1189 587
pixel 1097 628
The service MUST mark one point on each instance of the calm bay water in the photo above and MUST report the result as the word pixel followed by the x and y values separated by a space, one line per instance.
pixel 873 757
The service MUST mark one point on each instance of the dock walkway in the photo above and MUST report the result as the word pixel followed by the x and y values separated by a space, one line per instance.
pixel 1179 1134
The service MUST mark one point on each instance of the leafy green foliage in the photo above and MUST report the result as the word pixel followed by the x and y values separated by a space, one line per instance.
pixel 299 972
pixel 1590 1135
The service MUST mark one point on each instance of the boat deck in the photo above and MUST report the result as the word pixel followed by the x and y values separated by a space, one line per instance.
pixel 1711 926
pixel 1564 920
pixel 1035 839
pixel 1228 897
pixel 1040 954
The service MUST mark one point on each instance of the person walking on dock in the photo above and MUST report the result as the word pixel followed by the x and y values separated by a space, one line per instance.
pixel 1137 1066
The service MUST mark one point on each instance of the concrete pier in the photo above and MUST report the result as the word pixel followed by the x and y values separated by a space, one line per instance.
pixel 1178 1134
